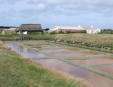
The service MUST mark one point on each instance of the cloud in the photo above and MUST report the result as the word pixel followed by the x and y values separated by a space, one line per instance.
pixel 30 10
pixel 97 6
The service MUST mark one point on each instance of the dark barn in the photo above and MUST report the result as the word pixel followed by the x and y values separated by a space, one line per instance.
pixel 30 28
pixel 25 28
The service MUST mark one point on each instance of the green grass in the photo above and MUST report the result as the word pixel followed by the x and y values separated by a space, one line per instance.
pixel 18 72
pixel 11 36
pixel 104 42
pixel 42 37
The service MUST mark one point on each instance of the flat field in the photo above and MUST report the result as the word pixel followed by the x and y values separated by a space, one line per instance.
pixel 95 40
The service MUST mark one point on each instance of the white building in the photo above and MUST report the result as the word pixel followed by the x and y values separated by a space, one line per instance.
pixel 25 32
pixel 93 31
pixel 88 30
pixel 63 28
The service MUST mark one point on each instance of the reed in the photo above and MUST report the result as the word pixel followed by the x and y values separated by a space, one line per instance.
pixel 97 40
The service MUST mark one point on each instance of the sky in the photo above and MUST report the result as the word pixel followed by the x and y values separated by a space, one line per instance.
pixel 52 13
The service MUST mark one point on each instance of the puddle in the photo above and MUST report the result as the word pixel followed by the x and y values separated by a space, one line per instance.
pixel 73 49
pixel 94 79
pixel 94 61
pixel 26 52
pixel 108 69
pixel 109 58
pixel 89 53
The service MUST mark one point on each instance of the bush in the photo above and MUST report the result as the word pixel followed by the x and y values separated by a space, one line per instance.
pixel 53 32
pixel 107 31
pixel 63 32
pixel 32 33
pixel 66 32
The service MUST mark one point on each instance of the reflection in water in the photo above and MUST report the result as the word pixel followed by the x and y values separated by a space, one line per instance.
pixel 26 52
pixel 89 53
pixel 95 79
pixel 94 61
pixel 73 49
pixel 108 69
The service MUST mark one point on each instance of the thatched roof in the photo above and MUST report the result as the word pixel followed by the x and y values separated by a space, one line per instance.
pixel 30 28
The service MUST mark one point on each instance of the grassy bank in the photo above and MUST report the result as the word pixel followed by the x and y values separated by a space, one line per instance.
pixel 16 71
pixel 13 37
pixel 101 41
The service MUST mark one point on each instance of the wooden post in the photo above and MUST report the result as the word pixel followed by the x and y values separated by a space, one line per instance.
pixel 21 35
pixel 42 32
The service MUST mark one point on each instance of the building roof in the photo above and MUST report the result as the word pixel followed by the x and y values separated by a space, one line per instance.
pixel 78 28
pixel 66 28
pixel 90 28
pixel 30 27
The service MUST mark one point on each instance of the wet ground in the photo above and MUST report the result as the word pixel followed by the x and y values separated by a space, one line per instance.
pixel 93 66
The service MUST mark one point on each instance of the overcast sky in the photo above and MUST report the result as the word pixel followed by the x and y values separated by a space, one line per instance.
pixel 51 13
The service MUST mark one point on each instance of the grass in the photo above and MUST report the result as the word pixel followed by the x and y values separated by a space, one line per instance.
pixel 97 39
pixel 42 37
pixel 11 36
pixel 16 71
pixel 101 41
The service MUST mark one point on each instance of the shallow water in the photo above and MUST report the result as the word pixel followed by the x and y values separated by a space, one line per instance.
pixel 54 52
pixel 94 61
pixel 24 51
pixel 108 69
pixel 96 80
pixel 89 53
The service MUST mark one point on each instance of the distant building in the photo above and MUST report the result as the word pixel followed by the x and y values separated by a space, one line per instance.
pixel 25 28
pixel 3 28
pixel 12 29
pixel 62 28
pixel 88 30
pixel 91 30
